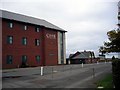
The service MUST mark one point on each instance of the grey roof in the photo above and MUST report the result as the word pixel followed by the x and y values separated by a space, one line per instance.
pixel 27 19
pixel 71 55
pixel 81 56
pixel 84 55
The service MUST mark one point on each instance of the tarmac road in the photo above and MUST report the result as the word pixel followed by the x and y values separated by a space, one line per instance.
pixel 66 76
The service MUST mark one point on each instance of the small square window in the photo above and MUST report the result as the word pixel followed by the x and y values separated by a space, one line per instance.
pixel 25 27
pixel 37 42
pixel 11 25
pixel 24 59
pixel 9 39
pixel 24 41
pixel 37 29
pixel 37 58
pixel 9 59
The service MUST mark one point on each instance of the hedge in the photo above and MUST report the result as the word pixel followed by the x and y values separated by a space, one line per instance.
pixel 116 73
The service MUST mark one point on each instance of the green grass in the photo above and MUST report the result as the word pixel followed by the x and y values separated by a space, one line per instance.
pixel 106 82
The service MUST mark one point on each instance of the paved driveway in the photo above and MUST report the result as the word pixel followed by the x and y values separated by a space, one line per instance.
pixel 66 76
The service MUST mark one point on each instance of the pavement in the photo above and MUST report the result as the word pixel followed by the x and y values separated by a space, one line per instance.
pixel 63 76
pixel 37 70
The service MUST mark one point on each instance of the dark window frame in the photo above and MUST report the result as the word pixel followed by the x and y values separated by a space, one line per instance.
pixel 9 59
pixel 24 58
pixel 37 42
pixel 9 39
pixel 37 29
pixel 25 27
pixel 10 24
pixel 24 40
pixel 37 57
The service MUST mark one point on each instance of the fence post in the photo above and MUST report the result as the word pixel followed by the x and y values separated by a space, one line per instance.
pixel 97 62
pixel 93 72
pixel 63 68
pixel 18 66
pixel 52 72
pixel 82 65
pixel 105 61
pixel 41 69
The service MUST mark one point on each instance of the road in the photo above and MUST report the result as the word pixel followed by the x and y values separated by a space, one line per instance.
pixel 37 70
pixel 65 76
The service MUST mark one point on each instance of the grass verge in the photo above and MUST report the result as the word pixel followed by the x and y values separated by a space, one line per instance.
pixel 106 82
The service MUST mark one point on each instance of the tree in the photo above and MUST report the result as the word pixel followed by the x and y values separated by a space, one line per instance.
pixel 113 45
pixel 102 50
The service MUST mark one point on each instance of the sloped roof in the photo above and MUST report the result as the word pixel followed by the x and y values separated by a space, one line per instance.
pixel 27 19
pixel 71 55
pixel 83 55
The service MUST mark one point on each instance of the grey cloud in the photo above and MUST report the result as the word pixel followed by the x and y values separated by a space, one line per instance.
pixel 86 29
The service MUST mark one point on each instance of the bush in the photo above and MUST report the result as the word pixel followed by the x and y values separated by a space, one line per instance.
pixel 116 73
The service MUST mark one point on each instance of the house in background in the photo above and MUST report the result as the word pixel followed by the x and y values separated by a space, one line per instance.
pixel 82 57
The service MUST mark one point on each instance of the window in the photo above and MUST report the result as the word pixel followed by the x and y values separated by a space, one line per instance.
pixel 11 25
pixel 24 59
pixel 9 59
pixel 37 29
pixel 37 42
pixel 37 58
pixel 25 27
pixel 9 39
pixel 24 41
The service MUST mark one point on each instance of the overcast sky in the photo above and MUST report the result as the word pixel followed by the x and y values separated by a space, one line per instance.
pixel 87 21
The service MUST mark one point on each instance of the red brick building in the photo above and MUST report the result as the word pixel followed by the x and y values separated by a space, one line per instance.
pixel 31 41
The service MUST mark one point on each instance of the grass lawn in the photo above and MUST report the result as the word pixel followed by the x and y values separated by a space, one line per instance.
pixel 106 82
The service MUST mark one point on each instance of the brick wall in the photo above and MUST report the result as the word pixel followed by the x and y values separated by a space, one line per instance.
pixel 17 49
pixel 51 47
